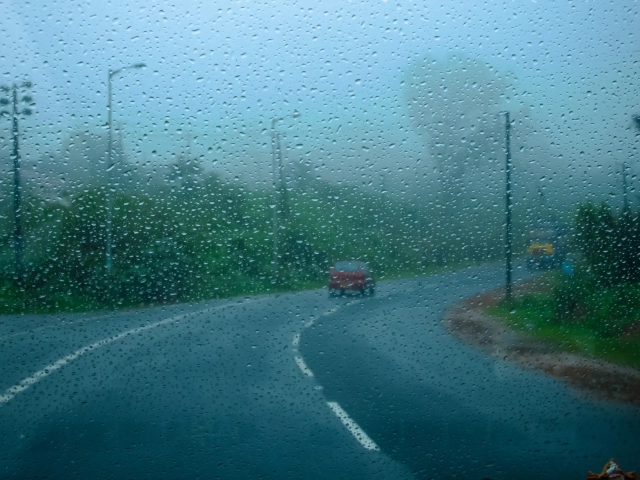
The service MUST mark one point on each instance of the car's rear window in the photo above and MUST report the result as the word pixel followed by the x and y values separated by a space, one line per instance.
pixel 348 266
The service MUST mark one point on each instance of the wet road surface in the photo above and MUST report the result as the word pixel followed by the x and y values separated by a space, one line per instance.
pixel 290 386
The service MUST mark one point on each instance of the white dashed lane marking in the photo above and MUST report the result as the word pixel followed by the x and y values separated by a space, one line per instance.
pixel 349 424
pixel 353 427
pixel 303 366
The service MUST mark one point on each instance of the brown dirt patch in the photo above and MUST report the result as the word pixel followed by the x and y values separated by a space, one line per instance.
pixel 468 322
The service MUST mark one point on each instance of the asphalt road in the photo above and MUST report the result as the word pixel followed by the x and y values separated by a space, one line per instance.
pixel 290 386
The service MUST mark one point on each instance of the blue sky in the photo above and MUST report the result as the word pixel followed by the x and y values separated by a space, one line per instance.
pixel 222 70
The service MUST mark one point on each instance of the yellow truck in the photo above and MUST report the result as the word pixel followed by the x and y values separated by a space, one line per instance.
pixel 547 247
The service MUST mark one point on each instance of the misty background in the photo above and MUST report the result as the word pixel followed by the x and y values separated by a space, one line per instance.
pixel 400 103
pixel 220 72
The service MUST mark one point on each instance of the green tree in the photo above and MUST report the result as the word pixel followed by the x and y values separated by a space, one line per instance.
pixel 610 244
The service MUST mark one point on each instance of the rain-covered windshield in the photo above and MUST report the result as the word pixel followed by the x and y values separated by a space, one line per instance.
pixel 182 182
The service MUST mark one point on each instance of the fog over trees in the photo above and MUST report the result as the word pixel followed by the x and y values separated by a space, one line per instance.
pixel 457 106
pixel 397 154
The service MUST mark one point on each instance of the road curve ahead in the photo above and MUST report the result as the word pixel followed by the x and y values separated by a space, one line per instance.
pixel 447 410
pixel 192 391
pixel 288 386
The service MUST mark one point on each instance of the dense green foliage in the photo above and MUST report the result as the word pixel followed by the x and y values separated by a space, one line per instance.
pixel 610 243
pixel 188 241
pixel 598 331
pixel 604 294
pixel 596 310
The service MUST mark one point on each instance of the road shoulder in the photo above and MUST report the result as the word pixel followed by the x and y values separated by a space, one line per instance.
pixel 469 322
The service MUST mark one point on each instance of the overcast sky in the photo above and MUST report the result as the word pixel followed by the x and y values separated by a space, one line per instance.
pixel 222 70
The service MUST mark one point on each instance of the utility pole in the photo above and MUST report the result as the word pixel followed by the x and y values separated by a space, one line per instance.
pixel 189 137
pixel 120 145
pixel 111 165
pixel 543 207
pixel 108 263
pixel 18 239
pixel 280 204
pixel 276 226
pixel 508 198
pixel 282 185
pixel 625 195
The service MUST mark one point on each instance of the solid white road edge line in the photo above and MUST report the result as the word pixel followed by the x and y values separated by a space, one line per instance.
pixel 353 427
pixel 24 384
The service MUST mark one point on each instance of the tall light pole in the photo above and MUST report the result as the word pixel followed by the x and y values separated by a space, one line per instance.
pixel 625 195
pixel 508 198
pixel 110 165
pixel 280 188
pixel 18 240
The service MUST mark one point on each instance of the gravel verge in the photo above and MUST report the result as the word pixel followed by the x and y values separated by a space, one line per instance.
pixel 469 323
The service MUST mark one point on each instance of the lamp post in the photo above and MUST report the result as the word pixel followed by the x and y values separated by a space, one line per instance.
pixel 110 165
pixel 508 199
pixel 18 240
pixel 280 189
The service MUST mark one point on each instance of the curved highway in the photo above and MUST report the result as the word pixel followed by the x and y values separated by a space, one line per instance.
pixel 290 386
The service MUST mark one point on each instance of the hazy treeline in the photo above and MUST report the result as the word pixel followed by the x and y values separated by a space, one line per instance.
pixel 182 232
pixel 197 236
pixel 456 105
pixel 603 295
pixel 609 242
pixel 593 304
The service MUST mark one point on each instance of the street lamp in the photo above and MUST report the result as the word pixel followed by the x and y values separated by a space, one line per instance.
pixel 279 185
pixel 18 240
pixel 110 165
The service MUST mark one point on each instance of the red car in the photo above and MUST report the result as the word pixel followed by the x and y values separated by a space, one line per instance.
pixel 351 275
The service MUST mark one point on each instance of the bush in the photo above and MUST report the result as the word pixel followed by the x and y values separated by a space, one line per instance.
pixel 603 309
pixel 198 237
pixel 609 243
pixel 570 294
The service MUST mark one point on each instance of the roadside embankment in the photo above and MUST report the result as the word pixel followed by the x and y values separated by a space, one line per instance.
pixel 469 321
